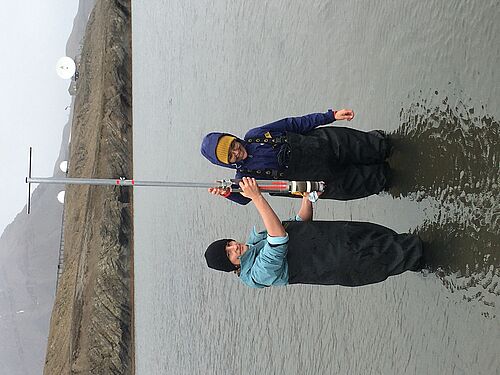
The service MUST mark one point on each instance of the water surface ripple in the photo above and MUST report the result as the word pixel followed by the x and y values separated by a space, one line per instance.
pixel 450 154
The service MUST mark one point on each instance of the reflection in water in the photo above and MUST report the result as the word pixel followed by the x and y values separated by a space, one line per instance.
pixel 450 155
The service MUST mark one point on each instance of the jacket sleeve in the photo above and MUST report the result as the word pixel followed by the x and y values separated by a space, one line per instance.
pixel 238 198
pixel 270 266
pixel 301 125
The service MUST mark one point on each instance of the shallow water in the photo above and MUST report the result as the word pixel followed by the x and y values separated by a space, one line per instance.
pixel 451 155
pixel 425 72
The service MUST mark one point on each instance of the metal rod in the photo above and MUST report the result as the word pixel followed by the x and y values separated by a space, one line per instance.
pixel 125 182
pixel 268 186
pixel 28 208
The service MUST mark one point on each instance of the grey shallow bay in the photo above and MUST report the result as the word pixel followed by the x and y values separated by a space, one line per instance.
pixel 425 71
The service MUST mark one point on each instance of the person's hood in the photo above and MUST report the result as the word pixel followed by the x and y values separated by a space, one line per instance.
pixel 208 146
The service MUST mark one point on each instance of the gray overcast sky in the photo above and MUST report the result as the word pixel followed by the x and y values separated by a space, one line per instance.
pixel 33 98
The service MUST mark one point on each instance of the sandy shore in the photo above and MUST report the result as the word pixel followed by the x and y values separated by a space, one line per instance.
pixel 91 329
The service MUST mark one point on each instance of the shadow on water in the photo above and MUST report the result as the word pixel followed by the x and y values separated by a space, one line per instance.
pixel 450 156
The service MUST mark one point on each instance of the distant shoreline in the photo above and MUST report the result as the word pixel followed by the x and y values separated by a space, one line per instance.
pixel 91 328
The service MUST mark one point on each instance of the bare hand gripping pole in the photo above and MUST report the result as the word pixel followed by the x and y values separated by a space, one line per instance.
pixel 267 186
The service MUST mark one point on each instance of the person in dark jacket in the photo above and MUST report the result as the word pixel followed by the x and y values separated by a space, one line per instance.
pixel 351 162
pixel 314 252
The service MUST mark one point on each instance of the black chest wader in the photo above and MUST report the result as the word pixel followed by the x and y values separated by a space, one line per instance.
pixel 316 157
pixel 348 253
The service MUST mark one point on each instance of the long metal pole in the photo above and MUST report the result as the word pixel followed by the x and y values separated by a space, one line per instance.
pixel 112 181
pixel 269 186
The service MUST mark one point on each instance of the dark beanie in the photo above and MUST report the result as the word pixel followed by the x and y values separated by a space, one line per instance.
pixel 217 258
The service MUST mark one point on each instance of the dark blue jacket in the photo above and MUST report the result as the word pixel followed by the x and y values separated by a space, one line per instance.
pixel 263 156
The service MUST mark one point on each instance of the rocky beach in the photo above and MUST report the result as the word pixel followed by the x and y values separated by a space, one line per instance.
pixel 91 328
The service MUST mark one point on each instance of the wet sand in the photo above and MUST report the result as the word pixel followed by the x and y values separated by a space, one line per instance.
pixel 91 328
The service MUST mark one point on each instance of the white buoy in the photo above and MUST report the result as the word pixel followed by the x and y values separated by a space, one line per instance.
pixel 60 196
pixel 64 166
pixel 65 67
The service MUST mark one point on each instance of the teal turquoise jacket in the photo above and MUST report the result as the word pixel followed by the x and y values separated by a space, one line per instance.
pixel 329 253
pixel 264 263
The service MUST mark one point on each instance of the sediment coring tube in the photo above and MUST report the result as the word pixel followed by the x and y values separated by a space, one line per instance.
pixel 268 186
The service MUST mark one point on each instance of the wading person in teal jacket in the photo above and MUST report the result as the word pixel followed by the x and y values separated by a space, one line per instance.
pixel 350 161
pixel 313 252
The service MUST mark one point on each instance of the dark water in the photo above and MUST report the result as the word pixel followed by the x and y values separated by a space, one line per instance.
pixel 450 153
pixel 424 72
